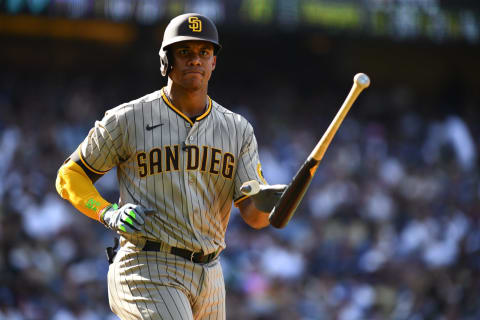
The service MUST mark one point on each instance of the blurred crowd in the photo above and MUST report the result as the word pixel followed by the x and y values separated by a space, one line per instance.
pixel 389 228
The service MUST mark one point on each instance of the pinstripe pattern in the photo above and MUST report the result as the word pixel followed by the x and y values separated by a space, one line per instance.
pixel 153 285
pixel 189 173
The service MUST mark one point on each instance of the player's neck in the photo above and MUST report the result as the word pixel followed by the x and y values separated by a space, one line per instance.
pixel 190 102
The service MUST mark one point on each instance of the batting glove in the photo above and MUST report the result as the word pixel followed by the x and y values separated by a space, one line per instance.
pixel 129 218
pixel 264 197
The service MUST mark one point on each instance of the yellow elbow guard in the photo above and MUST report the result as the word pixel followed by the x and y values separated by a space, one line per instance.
pixel 74 185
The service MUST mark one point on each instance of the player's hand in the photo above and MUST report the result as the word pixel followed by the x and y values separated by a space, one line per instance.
pixel 129 218
pixel 264 196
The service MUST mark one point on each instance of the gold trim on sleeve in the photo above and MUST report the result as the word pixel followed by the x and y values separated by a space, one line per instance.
pixel 87 165
pixel 240 200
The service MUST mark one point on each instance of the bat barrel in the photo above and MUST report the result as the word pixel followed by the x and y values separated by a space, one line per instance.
pixel 360 81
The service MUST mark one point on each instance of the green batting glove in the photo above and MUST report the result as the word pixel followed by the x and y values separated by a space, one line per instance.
pixel 129 218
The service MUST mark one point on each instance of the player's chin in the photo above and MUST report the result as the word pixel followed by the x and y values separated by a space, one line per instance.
pixel 193 77
pixel 194 82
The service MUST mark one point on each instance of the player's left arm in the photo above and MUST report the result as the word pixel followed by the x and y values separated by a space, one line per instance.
pixel 251 215
pixel 254 209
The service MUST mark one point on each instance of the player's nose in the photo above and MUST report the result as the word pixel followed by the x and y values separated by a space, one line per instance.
pixel 195 60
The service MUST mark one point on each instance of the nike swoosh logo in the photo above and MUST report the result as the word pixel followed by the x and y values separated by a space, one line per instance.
pixel 149 127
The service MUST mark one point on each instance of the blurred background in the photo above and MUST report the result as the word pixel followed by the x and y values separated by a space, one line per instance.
pixel 389 228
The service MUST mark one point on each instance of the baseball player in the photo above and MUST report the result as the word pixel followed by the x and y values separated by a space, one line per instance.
pixel 181 160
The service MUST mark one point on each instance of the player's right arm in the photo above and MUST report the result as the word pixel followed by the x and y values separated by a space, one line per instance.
pixel 103 149
pixel 75 184
pixel 99 152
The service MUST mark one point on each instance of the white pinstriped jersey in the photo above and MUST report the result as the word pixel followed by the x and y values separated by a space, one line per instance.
pixel 188 172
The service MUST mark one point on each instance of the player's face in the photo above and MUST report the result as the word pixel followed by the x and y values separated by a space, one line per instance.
pixel 193 63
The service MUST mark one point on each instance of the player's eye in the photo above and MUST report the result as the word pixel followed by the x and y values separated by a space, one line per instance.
pixel 183 52
pixel 205 53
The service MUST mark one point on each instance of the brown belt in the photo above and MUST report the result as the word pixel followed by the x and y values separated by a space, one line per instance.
pixel 197 257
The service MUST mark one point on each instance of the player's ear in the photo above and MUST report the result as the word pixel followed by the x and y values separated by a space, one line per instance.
pixel 214 62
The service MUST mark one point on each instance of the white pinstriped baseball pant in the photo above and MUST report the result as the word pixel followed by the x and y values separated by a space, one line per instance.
pixel 159 285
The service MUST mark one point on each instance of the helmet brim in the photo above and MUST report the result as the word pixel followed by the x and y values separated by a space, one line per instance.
pixel 189 38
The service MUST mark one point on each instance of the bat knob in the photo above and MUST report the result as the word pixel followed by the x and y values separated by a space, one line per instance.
pixel 362 80
pixel 250 188
pixel 246 189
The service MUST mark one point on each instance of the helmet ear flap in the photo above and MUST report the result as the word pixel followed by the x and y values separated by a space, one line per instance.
pixel 164 65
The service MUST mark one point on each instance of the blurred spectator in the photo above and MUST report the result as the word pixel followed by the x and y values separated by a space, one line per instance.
pixel 388 230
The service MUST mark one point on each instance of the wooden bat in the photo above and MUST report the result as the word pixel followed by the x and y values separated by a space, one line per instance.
pixel 288 203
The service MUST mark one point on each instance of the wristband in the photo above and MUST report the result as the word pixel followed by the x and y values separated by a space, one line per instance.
pixel 102 212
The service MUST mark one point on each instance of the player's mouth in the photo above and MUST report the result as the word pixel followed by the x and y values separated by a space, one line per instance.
pixel 194 72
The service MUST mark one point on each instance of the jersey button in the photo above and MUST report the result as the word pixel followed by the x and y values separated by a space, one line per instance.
pixel 191 138
pixel 188 125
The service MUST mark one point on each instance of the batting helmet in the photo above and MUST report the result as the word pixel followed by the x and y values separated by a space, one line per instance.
pixel 188 26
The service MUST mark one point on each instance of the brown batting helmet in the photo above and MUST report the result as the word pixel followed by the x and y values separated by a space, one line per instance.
pixel 188 26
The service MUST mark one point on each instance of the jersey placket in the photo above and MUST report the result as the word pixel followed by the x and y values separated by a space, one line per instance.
pixel 189 178
pixel 190 181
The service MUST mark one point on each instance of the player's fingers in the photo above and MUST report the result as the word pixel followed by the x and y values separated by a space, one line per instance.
pixel 273 190
pixel 143 212
pixel 137 214
pixel 130 211
pixel 149 211
pixel 133 219
pixel 278 187
pixel 125 227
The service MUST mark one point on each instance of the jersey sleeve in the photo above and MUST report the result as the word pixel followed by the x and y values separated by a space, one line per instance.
pixel 104 147
pixel 249 167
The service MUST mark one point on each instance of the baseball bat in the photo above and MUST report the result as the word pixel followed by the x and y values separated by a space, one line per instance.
pixel 291 198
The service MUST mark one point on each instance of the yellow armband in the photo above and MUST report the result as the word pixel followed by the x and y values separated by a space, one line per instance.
pixel 74 185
